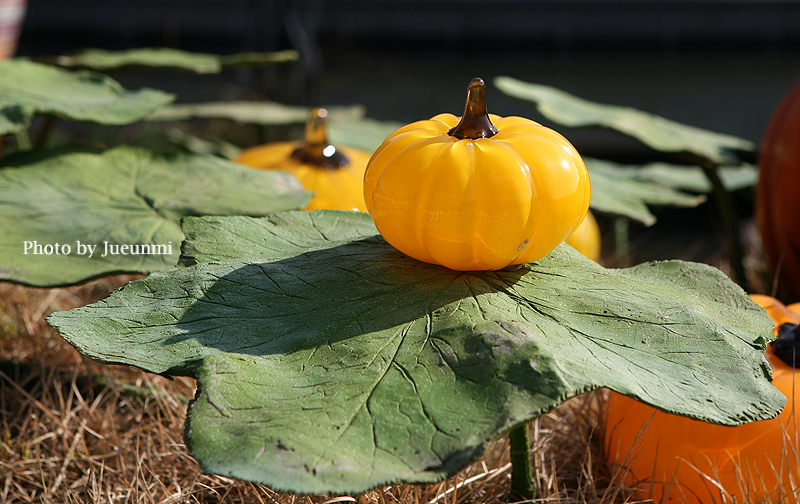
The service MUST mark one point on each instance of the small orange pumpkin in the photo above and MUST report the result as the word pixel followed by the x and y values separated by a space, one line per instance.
pixel 335 174
pixel 777 206
pixel 670 458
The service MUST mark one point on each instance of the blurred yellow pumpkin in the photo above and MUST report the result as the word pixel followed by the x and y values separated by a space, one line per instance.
pixel 586 239
pixel 335 174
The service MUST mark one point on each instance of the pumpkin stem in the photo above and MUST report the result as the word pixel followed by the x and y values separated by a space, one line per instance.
pixel 316 150
pixel 475 122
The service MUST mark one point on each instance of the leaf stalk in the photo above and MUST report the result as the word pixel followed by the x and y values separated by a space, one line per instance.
pixel 730 222
pixel 521 471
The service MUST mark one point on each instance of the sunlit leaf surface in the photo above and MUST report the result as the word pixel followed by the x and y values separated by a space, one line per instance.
pixel 617 190
pixel 654 131
pixel 248 112
pixel 124 196
pixel 28 88
pixel 327 361
pixel 165 57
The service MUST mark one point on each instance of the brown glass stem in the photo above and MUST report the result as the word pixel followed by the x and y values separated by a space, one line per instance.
pixel 475 122
pixel 316 150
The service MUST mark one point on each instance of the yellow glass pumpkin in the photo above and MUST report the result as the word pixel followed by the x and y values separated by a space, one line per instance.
pixel 586 239
pixel 671 458
pixel 335 174
pixel 480 193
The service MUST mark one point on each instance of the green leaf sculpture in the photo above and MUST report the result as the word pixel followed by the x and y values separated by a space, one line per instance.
pixel 327 361
pixel 247 112
pixel 654 131
pixel 96 202
pixel 618 191
pixel 720 157
pixel 168 58
pixel 347 124
pixel 686 178
pixel 360 132
pixel 28 88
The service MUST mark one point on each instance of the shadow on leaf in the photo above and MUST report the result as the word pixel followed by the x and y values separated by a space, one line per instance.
pixel 316 300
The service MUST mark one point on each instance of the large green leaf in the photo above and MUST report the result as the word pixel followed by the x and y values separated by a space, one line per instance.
pixel 654 131
pixel 123 196
pixel 360 132
pixel 327 361
pixel 688 178
pixel 192 143
pixel 28 88
pixel 277 236
pixel 165 57
pixel 247 112
pixel 617 190
pixel 347 125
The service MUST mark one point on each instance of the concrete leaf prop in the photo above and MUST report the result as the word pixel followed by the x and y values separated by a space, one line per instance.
pixel 327 361
pixel 72 214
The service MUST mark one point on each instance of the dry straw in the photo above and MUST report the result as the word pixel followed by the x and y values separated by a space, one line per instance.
pixel 76 431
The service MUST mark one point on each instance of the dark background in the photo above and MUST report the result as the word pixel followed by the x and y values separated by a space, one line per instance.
pixel 716 64
pixel 721 65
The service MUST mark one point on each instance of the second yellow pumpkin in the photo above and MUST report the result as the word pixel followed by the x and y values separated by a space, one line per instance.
pixel 335 174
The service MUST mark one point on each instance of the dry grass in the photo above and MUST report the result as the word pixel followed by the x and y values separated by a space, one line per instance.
pixel 76 431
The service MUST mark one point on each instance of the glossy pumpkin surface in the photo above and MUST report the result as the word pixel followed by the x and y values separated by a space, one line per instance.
pixel 477 193
pixel 335 174
pixel 777 203
pixel 671 458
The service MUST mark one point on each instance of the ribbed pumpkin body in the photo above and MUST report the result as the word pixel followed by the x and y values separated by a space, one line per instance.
pixel 476 204
pixel 680 460
pixel 334 188
pixel 778 196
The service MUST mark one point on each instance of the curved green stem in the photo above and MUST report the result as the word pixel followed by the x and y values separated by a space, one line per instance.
pixel 521 471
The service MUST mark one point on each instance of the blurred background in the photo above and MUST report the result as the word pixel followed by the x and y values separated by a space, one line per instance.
pixel 722 65
pixel 716 64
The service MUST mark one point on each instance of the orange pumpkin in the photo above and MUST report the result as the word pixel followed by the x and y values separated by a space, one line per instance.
pixel 777 209
pixel 335 174
pixel 671 458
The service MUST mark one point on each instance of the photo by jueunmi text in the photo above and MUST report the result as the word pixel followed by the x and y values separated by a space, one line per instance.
pixel 88 250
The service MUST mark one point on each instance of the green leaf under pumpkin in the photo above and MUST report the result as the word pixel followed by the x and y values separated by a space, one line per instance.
pixel 123 196
pixel 281 235
pixel 327 361
pixel 165 57
pixel 28 88
pixel 654 131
